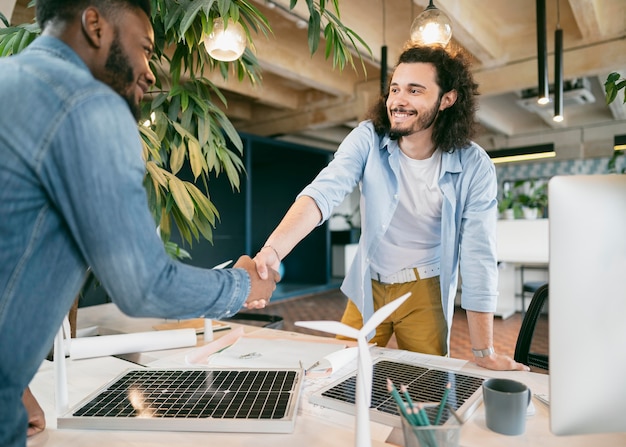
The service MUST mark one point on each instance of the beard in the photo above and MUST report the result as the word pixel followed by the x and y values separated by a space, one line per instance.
pixel 120 75
pixel 424 121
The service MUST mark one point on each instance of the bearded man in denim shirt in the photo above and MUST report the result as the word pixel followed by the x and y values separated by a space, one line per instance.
pixel 71 194
pixel 428 210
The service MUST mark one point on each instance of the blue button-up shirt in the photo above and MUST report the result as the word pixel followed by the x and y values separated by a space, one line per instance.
pixel 71 196
pixel 469 214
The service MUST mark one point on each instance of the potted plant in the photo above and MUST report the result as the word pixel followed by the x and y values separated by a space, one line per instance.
pixel 183 119
pixel 509 206
pixel 534 200
pixel 614 83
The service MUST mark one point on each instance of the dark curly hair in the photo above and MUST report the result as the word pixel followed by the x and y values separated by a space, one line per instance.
pixel 454 126
pixel 64 10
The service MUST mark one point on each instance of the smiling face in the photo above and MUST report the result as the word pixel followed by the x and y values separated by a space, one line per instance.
pixel 127 68
pixel 414 99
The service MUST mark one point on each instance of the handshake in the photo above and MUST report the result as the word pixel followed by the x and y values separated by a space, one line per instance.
pixel 263 272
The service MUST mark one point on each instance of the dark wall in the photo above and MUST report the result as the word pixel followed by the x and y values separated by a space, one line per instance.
pixel 276 173
pixel 279 172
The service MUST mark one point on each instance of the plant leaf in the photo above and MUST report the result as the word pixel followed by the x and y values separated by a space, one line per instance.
pixel 177 157
pixel 181 197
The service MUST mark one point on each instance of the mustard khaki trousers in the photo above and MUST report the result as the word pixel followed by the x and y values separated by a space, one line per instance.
pixel 419 323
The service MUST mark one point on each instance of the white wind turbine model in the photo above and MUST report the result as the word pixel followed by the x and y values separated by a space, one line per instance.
pixel 363 395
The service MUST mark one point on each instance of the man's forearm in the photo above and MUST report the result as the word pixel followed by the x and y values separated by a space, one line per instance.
pixel 480 329
pixel 300 220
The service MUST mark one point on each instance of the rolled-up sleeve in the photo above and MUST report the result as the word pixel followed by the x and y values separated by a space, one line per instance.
pixel 478 254
pixel 342 174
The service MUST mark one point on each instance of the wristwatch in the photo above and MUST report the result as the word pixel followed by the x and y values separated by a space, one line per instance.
pixel 483 352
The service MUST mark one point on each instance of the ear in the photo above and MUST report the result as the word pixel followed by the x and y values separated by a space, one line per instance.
pixel 92 23
pixel 448 99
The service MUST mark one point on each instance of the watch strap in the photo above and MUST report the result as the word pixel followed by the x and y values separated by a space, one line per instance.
pixel 483 352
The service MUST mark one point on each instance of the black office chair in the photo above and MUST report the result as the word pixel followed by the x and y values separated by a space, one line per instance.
pixel 533 340
pixel 529 288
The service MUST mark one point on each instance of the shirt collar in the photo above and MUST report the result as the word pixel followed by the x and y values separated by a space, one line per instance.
pixel 451 162
pixel 58 48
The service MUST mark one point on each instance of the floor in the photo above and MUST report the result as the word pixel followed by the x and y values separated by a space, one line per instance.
pixel 329 305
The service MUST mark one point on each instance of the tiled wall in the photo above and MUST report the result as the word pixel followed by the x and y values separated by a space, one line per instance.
pixel 547 169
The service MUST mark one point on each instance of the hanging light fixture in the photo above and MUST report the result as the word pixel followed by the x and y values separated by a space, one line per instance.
pixel 431 27
pixel 558 68
pixel 225 43
pixel 543 96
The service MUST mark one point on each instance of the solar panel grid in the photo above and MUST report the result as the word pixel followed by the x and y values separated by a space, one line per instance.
pixel 195 394
pixel 424 385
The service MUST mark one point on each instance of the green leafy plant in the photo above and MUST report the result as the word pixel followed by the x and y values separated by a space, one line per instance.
pixel 614 83
pixel 510 201
pixel 524 193
pixel 536 198
pixel 182 120
pixel 612 86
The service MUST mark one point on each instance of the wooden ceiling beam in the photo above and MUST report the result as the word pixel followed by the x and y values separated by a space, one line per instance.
pixel 477 30
pixel 586 15
pixel 323 114
pixel 271 91
pixel 287 54
pixel 585 61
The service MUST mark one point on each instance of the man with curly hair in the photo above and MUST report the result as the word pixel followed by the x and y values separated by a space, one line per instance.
pixel 428 210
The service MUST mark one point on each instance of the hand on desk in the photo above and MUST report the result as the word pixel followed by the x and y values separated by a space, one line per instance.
pixel 500 362
pixel 36 417
pixel 260 289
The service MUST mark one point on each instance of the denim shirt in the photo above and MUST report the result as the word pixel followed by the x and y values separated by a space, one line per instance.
pixel 469 214
pixel 71 196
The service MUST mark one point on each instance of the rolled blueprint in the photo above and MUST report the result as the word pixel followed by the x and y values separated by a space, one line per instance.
pixel 104 345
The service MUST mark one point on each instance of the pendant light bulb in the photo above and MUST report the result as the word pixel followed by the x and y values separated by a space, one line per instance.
pixel 225 43
pixel 431 27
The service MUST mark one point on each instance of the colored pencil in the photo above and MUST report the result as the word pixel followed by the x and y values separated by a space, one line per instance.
pixel 443 403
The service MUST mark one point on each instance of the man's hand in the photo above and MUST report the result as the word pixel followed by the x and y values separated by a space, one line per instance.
pixel 261 289
pixel 36 417
pixel 266 259
pixel 500 362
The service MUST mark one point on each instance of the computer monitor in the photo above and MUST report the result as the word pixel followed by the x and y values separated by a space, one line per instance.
pixel 587 310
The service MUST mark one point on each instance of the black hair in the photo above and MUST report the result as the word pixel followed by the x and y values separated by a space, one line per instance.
pixel 454 126
pixel 65 10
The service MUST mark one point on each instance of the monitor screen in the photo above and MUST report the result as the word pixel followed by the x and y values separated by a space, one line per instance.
pixel 587 310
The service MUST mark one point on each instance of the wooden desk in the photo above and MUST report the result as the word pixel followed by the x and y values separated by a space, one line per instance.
pixel 317 426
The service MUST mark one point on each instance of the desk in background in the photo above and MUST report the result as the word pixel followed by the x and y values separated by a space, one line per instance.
pixel 315 426
pixel 523 245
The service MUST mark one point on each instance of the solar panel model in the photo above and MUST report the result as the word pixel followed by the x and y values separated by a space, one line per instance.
pixel 210 400
pixel 424 385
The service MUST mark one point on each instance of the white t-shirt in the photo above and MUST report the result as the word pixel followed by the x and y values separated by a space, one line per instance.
pixel 414 235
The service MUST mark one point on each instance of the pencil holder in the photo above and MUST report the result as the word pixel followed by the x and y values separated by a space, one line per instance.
pixel 448 434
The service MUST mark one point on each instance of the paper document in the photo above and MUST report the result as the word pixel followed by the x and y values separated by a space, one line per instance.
pixel 332 363
pixel 280 353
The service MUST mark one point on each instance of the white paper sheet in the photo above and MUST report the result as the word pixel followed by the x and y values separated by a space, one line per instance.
pixel 252 352
pixel 332 363
pixel 87 347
